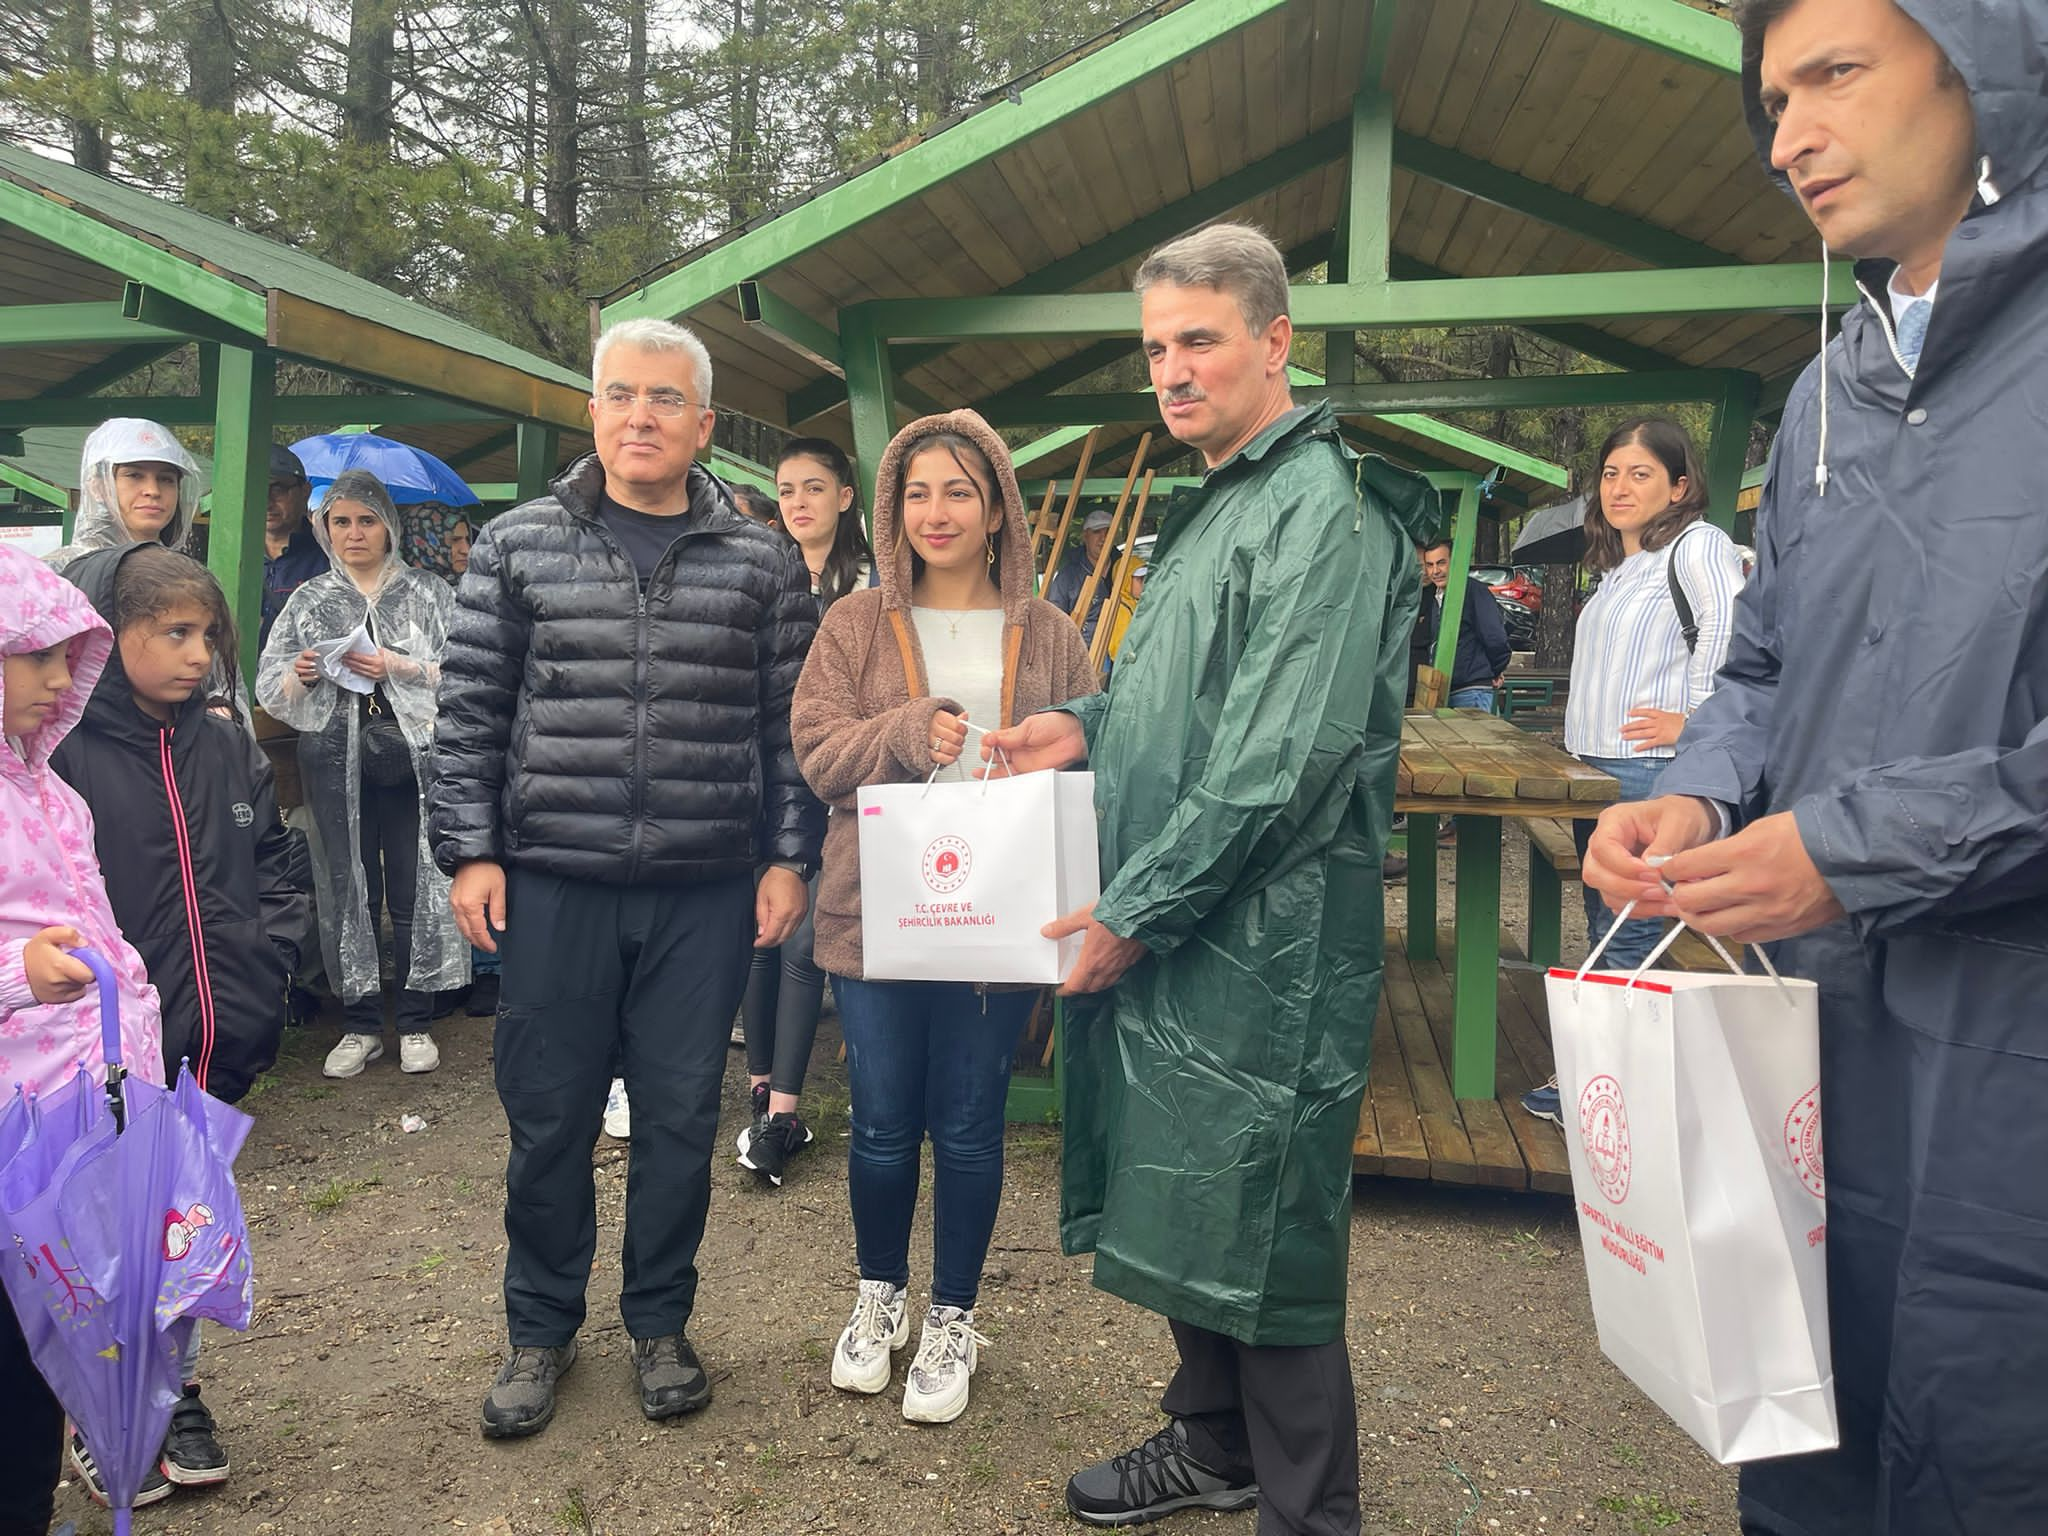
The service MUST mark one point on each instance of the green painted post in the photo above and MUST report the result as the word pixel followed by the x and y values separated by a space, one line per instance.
pixel 1361 252
pixel 871 392
pixel 1476 991
pixel 1421 886
pixel 1728 446
pixel 1464 534
pixel 539 446
pixel 241 487
pixel 1546 912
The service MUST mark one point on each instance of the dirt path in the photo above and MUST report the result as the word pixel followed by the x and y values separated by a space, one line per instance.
pixel 351 1405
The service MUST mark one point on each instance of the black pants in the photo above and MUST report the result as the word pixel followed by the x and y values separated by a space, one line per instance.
pixel 785 991
pixel 35 1437
pixel 388 838
pixel 1283 1415
pixel 653 975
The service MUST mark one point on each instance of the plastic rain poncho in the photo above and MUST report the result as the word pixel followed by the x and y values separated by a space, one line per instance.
pixel 408 616
pixel 126 440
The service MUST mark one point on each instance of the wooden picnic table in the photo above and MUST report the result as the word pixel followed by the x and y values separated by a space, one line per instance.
pixel 1469 765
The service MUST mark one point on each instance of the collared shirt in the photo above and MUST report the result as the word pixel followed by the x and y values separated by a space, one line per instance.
pixel 283 574
pixel 1630 652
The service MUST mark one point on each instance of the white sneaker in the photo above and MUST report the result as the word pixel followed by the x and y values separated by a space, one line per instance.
pixel 936 1390
pixel 618 1114
pixel 880 1324
pixel 351 1055
pixel 418 1053
pixel 739 1033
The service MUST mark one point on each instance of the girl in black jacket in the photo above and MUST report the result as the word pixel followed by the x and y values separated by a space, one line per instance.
pixel 198 865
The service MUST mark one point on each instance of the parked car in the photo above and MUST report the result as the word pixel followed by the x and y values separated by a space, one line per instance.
pixel 1520 620
pixel 1517 583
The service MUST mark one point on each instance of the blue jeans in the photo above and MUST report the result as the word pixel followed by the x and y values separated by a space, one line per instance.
pixel 1472 698
pixel 927 1057
pixel 1639 935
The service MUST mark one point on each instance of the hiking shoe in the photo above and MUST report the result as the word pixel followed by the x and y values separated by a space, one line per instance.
pixel 353 1053
pixel 1152 1481
pixel 618 1113
pixel 1393 867
pixel 1545 1103
pixel 936 1390
pixel 192 1456
pixel 880 1324
pixel 769 1143
pixel 155 1486
pixel 672 1382
pixel 418 1053
pixel 522 1400
pixel 483 996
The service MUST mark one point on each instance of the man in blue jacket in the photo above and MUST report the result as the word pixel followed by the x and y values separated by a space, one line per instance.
pixel 1867 790
pixel 1483 649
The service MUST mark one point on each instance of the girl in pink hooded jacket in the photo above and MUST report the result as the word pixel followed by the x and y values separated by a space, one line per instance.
pixel 54 646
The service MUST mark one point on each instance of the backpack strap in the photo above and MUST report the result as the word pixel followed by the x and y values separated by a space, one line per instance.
pixel 1688 622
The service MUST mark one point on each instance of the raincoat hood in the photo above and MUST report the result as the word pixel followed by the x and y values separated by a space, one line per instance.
pixel 365 490
pixel 38 608
pixel 1997 47
pixel 892 550
pixel 129 440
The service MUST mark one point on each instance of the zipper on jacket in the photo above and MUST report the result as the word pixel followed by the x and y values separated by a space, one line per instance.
pixel 190 886
pixel 641 669
pixel 1884 321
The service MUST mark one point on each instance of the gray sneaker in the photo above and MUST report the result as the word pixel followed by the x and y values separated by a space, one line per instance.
pixel 672 1382
pixel 1153 1480
pixel 522 1400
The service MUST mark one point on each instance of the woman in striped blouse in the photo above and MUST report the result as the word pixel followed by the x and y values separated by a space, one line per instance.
pixel 1636 673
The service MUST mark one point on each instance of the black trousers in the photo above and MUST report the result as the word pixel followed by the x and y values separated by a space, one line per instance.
pixel 785 993
pixel 35 1437
pixel 651 975
pixel 1283 1415
pixel 388 840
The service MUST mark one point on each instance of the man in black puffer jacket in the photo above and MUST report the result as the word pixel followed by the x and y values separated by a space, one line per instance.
pixel 612 771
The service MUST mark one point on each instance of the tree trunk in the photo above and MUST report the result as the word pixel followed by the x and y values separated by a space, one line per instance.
pixel 561 201
pixel 210 57
pixel 745 196
pixel 1556 625
pixel 639 162
pixel 88 142
pixel 372 28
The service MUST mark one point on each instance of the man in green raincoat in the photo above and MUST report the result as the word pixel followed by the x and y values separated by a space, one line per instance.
pixel 1244 766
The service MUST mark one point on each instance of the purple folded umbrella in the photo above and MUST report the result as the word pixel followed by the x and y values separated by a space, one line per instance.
pixel 124 1221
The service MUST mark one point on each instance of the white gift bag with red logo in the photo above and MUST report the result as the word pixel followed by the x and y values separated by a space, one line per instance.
pixel 1692 1116
pixel 957 879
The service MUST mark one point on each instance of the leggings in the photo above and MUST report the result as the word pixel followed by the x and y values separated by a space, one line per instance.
pixel 785 990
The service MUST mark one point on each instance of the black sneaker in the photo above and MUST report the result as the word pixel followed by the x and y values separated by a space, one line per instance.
pixel 757 1100
pixel 483 996
pixel 522 1399
pixel 155 1486
pixel 192 1455
pixel 769 1143
pixel 1156 1479
pixel 672 1382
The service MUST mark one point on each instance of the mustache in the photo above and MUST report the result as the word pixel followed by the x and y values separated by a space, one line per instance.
pixel 1182 394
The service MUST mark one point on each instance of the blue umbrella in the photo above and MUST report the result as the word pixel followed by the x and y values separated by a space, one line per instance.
pixel 410 474
pixel 123 1228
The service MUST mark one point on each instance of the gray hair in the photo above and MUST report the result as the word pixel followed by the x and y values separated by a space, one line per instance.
pixel 654 336
pixel 1236 259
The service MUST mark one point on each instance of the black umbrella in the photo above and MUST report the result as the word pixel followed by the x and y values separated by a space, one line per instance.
pixel 1553 535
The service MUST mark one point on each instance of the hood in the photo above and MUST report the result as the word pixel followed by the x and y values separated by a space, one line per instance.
pixel 111 709
pixel 365 490
pixel 1415 505
pixel 39 609
pixel 1997 47
pixel 892 550
pixel 129 440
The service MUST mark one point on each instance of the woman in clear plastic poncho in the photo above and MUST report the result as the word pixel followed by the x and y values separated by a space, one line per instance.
pixel 364 757
pixel 136 482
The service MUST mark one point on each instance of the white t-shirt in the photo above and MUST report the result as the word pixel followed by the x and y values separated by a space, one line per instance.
pixel 963 659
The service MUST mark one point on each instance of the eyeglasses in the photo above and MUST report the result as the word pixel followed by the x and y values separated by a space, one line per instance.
pixel 660 402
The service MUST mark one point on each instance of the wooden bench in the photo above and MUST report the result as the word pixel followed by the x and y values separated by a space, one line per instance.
pixel 1519 693
pixel 1553 859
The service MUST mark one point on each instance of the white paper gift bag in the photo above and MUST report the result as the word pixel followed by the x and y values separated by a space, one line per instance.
pixel 957 879
pixel 1693 1120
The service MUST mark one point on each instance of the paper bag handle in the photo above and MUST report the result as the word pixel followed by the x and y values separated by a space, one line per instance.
pixel 980 730
pixel 1678 926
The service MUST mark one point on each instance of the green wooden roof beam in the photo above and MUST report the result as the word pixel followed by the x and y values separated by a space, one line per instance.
pixel 789 327
pixel 197 410
pixel 1052 442
pixel 995 128
pixel 732 466
pixel 1479 447
pixel 37 487
pixel 1134 239
pixel 1784 287
pixel 1106 488
pixel 1664 25
pixel 95 324
pixel 1526 392
pixel 497 442
pixel 155 309
pixel 1574 215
